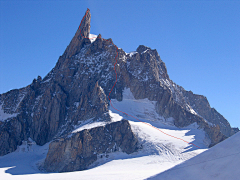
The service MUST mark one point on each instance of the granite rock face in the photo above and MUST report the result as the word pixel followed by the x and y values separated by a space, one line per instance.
pixel 83 148
pixel 76 90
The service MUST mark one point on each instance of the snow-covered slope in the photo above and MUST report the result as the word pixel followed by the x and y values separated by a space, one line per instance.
pixel 220 162
pixel 144 110
pixel 158 152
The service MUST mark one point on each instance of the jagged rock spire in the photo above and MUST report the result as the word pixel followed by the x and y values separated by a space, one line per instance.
pixel 81 36
pixel 84 26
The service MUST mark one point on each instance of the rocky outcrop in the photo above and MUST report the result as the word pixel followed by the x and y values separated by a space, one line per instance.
pixel 83 148
pixel 201 106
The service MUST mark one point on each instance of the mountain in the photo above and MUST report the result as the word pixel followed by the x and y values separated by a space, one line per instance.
pixel 220 162
pixel 87 81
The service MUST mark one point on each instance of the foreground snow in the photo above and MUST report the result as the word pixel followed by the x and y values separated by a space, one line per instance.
pixel 158 152
pixel 220 162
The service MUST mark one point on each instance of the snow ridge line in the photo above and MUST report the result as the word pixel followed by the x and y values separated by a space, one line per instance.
pixel 116 82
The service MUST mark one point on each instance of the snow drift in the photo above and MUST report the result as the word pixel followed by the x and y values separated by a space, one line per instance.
pixel 221 162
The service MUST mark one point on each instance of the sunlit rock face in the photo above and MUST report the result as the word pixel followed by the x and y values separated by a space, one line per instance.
pixel 83 148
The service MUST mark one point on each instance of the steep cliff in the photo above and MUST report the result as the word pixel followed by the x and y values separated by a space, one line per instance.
pixel 81 149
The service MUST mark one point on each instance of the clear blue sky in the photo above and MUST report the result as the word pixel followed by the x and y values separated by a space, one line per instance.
pixel 198 40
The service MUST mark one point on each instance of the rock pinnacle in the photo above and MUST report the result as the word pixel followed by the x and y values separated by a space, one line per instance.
pixel 81 36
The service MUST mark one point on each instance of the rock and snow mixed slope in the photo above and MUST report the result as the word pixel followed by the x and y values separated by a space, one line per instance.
pixel 220 162
pixel 144 111
pixel 157 152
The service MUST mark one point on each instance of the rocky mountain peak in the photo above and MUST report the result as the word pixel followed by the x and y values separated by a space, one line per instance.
pixel 81 36
pixel 142 48
pixel 84 26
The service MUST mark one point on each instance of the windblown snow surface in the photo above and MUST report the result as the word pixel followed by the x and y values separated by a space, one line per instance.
pixel 221 162
pixel 158 152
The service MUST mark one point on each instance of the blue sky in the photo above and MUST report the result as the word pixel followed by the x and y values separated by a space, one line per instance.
pixel 199 41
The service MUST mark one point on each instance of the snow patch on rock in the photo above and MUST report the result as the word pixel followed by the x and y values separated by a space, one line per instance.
pixel 92 37
pixel 4 116
pixel 89 126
